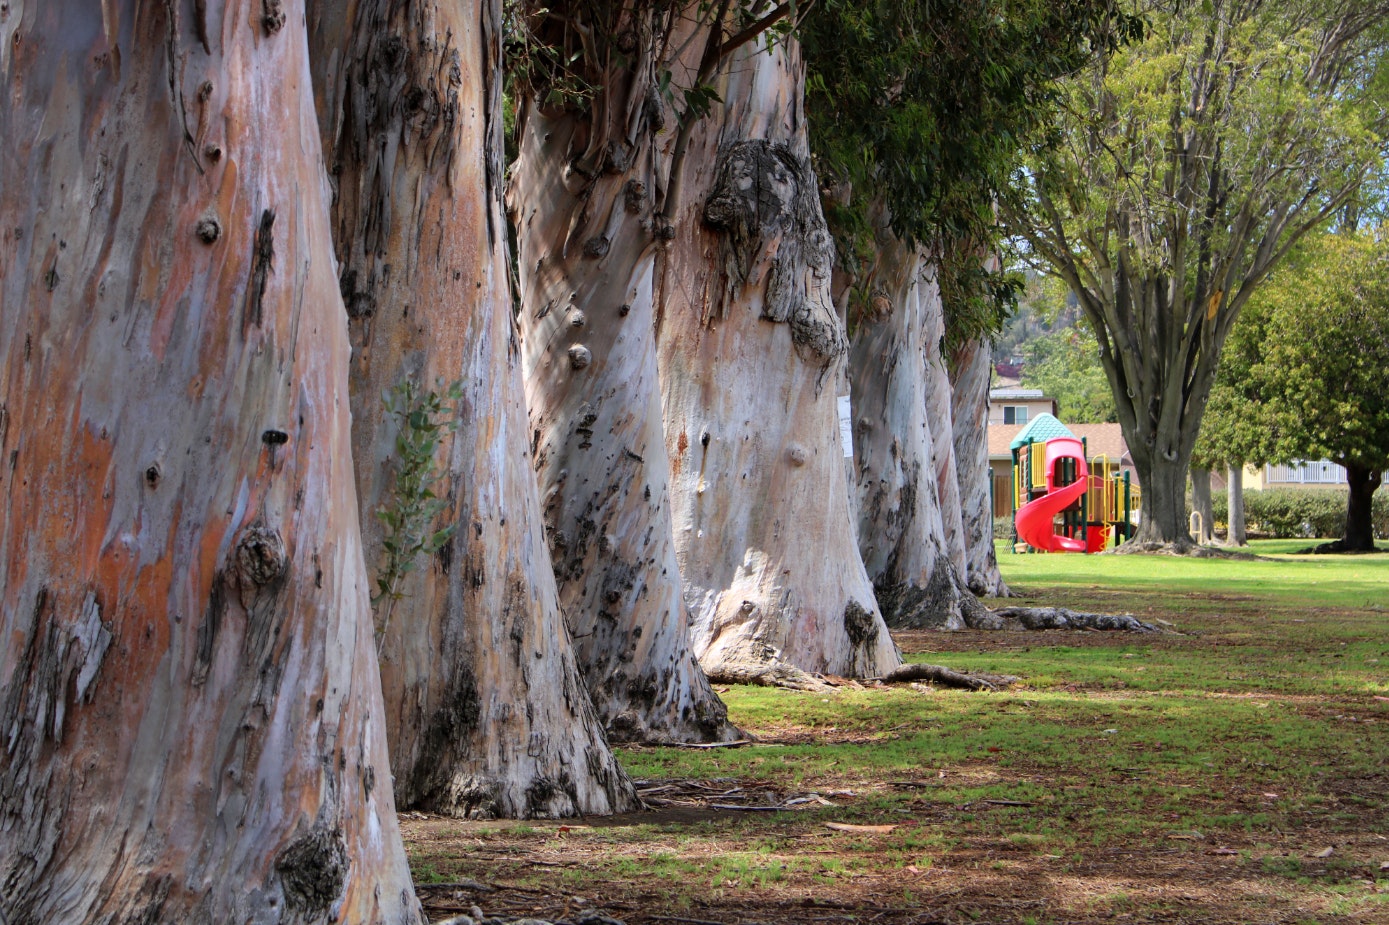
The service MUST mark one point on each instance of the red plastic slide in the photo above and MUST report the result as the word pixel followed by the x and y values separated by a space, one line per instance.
pixel 1035 518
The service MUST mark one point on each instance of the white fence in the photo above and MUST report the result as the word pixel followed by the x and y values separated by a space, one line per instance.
pixel 1322 472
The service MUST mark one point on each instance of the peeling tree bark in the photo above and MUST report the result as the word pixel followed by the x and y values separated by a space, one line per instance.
pixel 902 535
pixel 971 366
pixel 751 360
pixel 583 199
pixel 188 692
pixel 486 712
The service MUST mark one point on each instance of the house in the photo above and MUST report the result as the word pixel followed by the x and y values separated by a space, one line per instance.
pixel 1104 444
pixel 1018 406
pixel 1320 474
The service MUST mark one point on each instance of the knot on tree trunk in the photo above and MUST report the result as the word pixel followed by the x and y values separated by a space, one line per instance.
pixel 861 624
pixel 765 203
pixel 313 871
pixel 261 559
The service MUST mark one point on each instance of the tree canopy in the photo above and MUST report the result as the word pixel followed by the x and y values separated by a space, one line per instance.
pixel 1305 378
pixel 929 107
pixel 1185 167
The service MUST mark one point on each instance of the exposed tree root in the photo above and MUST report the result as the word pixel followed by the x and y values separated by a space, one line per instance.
pixel 1179 548
pixel 797 680
pixel 771 675
pixel 946 677
pixel 1059 618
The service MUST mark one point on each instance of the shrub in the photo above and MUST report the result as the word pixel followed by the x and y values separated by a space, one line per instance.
pixel 1289 512
pixel 1003 527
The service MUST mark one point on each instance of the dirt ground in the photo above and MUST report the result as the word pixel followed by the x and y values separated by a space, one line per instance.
pixel 653 867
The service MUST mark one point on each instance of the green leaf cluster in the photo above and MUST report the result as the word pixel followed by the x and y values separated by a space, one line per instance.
pixel 424 418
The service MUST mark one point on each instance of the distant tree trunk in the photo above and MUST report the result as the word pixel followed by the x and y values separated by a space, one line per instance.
pixel 971 365
pixel 1201 501
pixel 1360 531
pixel 1163 481
pixel 188 688
pixel 1234 492
pixel 582 199
pixel 485 707
pixel 902 537
pixel 751 362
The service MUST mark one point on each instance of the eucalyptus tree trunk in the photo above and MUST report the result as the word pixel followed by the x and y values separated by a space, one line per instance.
pixel 188 689
pixel 1234 494
pixel 485 707
pixel 901 533
pixel 1201 502
pixel 939 397
pixel 971 365
pixel 752 360
pixel 582 197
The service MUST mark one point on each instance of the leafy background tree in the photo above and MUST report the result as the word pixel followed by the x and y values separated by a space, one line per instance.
pixel 1306 377
pixel 1185 168
pixel 1059 353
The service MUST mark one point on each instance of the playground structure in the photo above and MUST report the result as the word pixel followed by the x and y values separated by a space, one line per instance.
pixel 1051 481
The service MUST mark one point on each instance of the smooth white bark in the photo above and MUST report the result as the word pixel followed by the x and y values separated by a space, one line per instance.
pixel 752 361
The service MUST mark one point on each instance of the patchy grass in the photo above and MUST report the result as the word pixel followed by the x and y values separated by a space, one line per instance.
pixel 1199 777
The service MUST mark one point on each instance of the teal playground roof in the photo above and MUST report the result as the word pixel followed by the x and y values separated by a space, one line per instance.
pixel 1039 430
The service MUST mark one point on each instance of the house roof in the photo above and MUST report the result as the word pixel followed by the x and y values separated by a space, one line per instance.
pixel 1100 440
pixel 1038 430
pixel 1015 393
pixel 1104 440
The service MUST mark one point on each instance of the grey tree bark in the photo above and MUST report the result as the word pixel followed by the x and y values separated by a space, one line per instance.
pixel 971 367
pixel 188 688
pixel 583 200
pixel 486 710
pixel 901 530
pixel 1236 534
pixel 1201 501
pixel 751 363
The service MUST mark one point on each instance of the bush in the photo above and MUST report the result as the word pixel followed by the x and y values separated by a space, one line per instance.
pixel 1003 528
pixel 1290 512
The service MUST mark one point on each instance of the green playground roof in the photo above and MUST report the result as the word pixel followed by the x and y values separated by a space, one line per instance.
pixel 1039 430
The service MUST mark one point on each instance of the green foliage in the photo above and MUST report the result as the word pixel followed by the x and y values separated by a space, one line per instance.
pixel 423 418
pixel 927 107
pixel 1185 168
pixel 1304 375
pixel 1326 357
pixel 1065 365
pixel 1306 512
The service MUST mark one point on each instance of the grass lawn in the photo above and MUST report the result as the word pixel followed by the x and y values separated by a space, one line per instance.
pixel 1231 772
